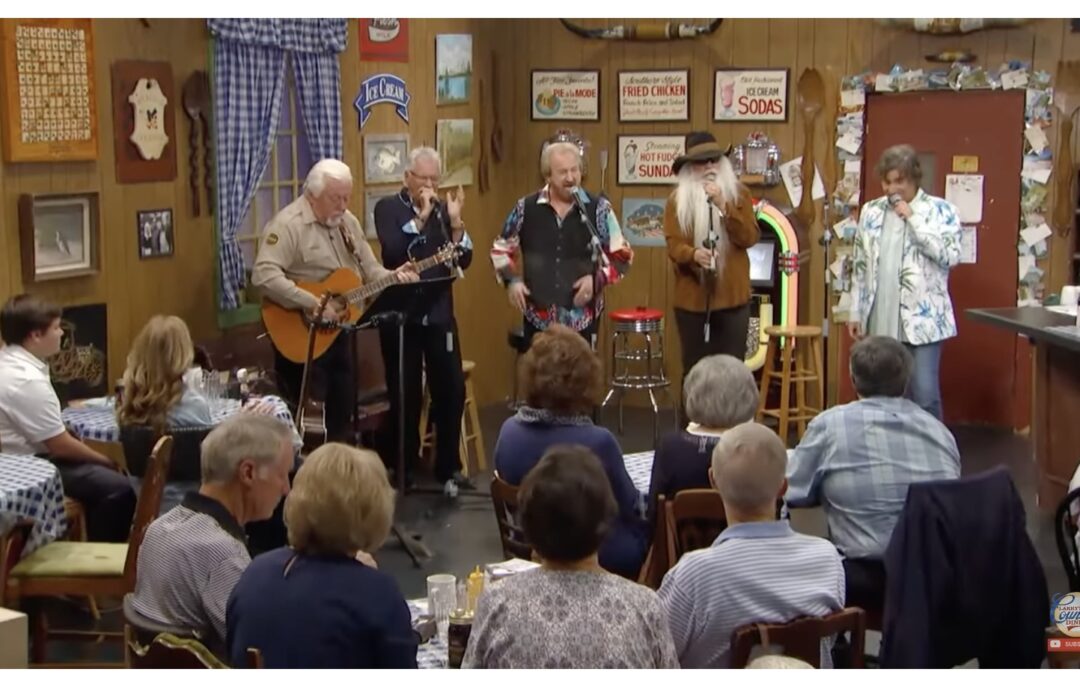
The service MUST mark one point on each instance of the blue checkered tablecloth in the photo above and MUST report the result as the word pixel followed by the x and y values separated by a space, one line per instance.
pixel 30 488
pixel 98 423
pixel 639 466
pixel 433 653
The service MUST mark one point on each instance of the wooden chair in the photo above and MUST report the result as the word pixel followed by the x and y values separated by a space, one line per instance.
pixel 472 436
pixel 800 363
pixel 695 518
pixel 802 637
pixel 504 497
pixel 88 568
pixel 656 562
pixel 166 650
pixel 185 463
pixel 1065 529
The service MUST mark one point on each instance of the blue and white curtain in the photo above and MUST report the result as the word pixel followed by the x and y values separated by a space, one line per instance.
pixel 249 84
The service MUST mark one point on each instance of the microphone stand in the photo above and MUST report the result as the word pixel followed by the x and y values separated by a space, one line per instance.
pixel 709 274
pixel 597 252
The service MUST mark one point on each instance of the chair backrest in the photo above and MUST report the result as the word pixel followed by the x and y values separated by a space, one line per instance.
pixel 254 658
pixel 148 505
pixel 802 637
pixel 186 463
pixel 11 548
pixel 144 629
pixel 1065 529
pixel 166 650
pixel 504 497
pixel 695 518
pixel 656 562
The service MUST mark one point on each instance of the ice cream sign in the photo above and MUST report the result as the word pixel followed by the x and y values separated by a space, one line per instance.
pixel 565 95
pixel 750 95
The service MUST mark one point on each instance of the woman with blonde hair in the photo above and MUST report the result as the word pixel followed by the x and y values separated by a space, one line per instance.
pixel 321 602
pixel 155 393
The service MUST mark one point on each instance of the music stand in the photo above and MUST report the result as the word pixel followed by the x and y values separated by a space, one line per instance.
pixel 394 307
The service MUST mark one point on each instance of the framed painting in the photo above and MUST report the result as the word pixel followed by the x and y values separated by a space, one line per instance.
pixel 58 236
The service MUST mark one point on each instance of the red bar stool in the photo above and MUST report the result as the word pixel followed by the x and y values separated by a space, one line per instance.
pixel 647 355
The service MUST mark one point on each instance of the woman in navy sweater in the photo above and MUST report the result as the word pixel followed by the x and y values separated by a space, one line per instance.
pixel 562 382
pixel 321 602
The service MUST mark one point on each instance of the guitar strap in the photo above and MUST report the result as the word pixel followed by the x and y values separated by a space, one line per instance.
pixel 347 238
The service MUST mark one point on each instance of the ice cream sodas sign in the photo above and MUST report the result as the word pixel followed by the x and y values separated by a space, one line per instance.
pixel 750 95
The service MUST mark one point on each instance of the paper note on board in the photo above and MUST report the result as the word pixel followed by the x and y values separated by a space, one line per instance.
pixel 852 166
pixel 1014 79
pixel 852 98
pixel 965 192
pixel 1037 138
pixel 969 245
pixel 850 143
pixel 1024 264
pixel 1033 235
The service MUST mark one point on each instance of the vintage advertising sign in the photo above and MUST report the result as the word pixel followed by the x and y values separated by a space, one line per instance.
pixel 647 160
pixel 383 88
pixel 654 95
pixel 384 40
pixel 750 95
pixel 565 95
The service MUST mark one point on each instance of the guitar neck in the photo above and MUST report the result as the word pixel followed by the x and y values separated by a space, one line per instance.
pixel 367 290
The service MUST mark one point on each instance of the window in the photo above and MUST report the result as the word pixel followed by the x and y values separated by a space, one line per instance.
pixel 283 180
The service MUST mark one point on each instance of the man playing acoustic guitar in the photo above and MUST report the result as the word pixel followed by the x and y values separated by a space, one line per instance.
pixel 309 239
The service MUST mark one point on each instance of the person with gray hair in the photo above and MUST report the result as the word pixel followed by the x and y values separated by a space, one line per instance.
pixel 758 569
pixel 560 272
pixel 308 240
pixel 858 460
pixel 718 394
pixel 414 224
pixel 193 555
pixel 905 243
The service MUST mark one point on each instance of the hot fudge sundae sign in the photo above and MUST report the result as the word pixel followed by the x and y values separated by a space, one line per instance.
pixel 647 160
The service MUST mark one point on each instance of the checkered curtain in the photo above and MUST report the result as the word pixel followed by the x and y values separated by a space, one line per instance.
pixel 318 87
pixel 249 83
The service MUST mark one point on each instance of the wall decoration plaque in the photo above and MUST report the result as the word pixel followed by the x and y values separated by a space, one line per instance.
pixel 144 121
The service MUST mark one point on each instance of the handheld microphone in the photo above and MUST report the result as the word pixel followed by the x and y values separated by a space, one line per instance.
pixel 894 199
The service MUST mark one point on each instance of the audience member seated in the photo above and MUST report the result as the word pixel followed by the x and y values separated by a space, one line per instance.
pixel 719 393
pixel 569 612
pixel 858 459
pixel 562 383
pixel 321 602
pixel 192 557
pixel 155 392
pixel 758 569
pixel 30 422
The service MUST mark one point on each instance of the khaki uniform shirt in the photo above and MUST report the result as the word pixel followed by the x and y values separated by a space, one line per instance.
pixel 296 246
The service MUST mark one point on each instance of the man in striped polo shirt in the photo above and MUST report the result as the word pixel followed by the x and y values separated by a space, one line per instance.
pixel 758 569
pixel 192 557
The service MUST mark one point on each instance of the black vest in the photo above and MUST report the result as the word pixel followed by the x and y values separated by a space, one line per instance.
pixel 555 257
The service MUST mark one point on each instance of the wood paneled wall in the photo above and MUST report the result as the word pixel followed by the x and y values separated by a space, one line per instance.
pixel 184 284
pixel 133 289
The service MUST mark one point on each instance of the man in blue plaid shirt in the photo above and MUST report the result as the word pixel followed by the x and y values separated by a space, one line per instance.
pixel 857 460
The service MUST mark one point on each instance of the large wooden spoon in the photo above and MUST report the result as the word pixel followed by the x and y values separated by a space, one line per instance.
pixel 811 89
pixel 1067 101
pixel 496 131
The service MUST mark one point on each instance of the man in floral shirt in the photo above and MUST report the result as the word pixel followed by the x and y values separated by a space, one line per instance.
pixel 905 245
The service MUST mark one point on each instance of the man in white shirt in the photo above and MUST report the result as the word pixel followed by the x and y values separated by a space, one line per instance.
pixel 30 422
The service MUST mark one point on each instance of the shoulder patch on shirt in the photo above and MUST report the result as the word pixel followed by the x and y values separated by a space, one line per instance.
pixel 271 239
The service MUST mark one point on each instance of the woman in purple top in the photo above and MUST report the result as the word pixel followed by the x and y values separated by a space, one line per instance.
pixel 562 382
pixel 719 393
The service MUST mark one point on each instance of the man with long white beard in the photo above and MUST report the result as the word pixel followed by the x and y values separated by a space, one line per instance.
pixel 709 224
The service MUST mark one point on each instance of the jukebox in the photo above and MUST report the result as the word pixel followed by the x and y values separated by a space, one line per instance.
pixel 774 278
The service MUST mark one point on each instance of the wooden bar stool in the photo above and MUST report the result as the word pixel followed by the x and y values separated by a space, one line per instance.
pixel 800 362
pixel 471 432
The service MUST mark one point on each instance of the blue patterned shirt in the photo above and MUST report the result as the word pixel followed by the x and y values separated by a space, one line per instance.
pixel 858 459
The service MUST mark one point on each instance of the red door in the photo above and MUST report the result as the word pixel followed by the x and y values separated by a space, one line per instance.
pixel 985 372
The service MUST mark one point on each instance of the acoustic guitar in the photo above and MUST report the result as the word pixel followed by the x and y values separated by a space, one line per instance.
pixel 288 328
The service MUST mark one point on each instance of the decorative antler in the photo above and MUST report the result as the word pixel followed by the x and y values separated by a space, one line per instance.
pixel 652 32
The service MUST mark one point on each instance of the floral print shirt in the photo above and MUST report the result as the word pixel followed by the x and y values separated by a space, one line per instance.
pixel 931 247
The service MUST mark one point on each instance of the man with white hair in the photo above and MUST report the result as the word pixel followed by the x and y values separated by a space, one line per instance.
pixel 709 224
pixel 192 557
pixel 307 240
pixel 560 277
pixel 758 569
pixel 412 225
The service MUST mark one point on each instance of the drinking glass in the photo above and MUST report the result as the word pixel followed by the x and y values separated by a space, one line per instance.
pixel 442 596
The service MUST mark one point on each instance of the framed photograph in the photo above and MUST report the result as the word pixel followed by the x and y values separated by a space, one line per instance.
pixel 643 221
pixel 654 95
pixel 58 236
pixel 453 69
pixel 371 198
pixel 759 95
pixel 565 95
pixel 156 233
pixel 454 141
pixel 647 160
pixel 384 39
pixel 385 156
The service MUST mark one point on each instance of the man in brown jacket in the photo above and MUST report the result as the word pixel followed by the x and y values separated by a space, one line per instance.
pixel 709 223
